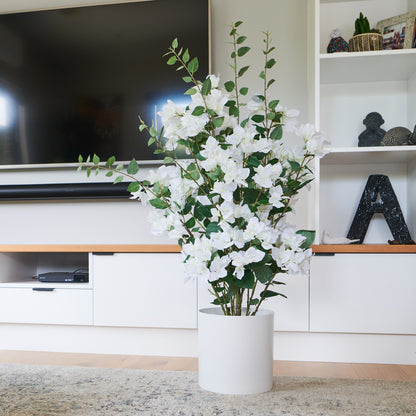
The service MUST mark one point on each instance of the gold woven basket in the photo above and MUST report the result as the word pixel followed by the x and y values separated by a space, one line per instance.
pixel 366 42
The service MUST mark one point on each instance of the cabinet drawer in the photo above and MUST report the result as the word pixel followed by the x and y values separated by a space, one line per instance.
pixel 363 293
pixel 58 306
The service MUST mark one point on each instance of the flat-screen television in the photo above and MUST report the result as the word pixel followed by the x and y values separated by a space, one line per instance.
pixel 74 80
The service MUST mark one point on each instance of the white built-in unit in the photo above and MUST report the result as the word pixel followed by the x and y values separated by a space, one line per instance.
pixel 358 302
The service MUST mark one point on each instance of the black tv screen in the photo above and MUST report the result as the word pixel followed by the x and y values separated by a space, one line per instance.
pixel 74 81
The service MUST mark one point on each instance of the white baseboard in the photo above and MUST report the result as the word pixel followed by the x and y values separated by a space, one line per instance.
pixel 288 346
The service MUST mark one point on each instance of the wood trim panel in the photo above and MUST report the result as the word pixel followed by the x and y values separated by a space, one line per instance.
pixel 174 248
pixel 364 248
pixel 90 248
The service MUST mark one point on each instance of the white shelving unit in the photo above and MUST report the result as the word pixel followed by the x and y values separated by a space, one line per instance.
pixel 348 86
pixel 352 291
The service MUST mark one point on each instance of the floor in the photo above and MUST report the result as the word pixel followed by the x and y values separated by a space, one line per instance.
pixel 287 368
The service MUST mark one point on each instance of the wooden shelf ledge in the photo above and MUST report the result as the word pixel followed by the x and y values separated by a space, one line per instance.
pixel 364 248
pixel 90 248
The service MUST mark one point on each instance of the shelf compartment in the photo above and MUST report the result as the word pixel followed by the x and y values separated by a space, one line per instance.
pixel 374 66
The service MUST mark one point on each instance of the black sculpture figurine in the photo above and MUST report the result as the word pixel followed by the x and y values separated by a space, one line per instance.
pixel 373 134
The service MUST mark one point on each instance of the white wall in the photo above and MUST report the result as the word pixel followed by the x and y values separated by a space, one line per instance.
pixel 125 221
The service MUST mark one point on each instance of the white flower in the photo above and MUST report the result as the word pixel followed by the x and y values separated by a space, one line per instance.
pixel 234 172
pixel 218 267
pixel 192 125
pixel 314 140
pixel 276 196
pixel 225 190
pixel 266 175
pixel 242 258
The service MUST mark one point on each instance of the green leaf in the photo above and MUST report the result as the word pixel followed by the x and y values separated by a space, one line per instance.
pixel 153 132
pixel 199 110
pixel 110 161
pixel 95 159
pixel 79 168
pixel 244 91
pixel 309 238
pixel 277 133
pixel 80 159
pixel 171 60
pixel 206 87
pixel 132 167
pixel 218 122
pixel 175 43
pixel 151 141
pixel 193 65
pixel 242 51
pixel 242 71
pixel 229 86
pixel 253 161
pixel 185 56
pixel 263 272
pixel 273 104
pixel 191 91
pixel 118 179
pixel 88 172
pixel 244 122
pixel 191 222
pixel 270 63
pixel 187 79
pixel 168 160
pixel 258 118
pixel 262 75
pixel 294 165
pixel 270 293
pixel 119 166
pixel 270 82
pixel 247 282
pixel 109 173
pixel 133 187
pixel 254 302
pixel 241 39
pixel 142 127
pixel 158 203
pixel 236 24
pixel 88 159
pixel 213 227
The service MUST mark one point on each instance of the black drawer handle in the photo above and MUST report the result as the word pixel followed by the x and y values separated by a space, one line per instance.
pixel 43 289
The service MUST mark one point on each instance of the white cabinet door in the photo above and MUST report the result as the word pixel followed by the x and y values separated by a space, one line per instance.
pixel 143 290
pixel 363 293
pixel 290 314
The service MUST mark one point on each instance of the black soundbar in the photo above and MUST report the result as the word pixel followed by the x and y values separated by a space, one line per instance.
pixel 64 191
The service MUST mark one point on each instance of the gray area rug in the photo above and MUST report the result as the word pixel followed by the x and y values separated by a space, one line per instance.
pixel 48 390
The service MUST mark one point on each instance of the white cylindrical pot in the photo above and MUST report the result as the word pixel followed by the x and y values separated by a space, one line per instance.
pixel 235 352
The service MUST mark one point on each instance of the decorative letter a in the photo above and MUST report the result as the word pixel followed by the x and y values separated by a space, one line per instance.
pixel 388 205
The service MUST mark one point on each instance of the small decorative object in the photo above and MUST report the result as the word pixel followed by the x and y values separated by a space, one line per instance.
pixel 398 32
pixel 365 39
pixel 388 205
pixel 373 134
pixel 337 43
pixel 328 239
pixel 226 205
pixel 399 136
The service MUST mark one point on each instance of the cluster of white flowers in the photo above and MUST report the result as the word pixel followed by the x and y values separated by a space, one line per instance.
pixel 238 222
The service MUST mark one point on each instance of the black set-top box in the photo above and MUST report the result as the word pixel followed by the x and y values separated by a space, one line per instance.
pixel 63 277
